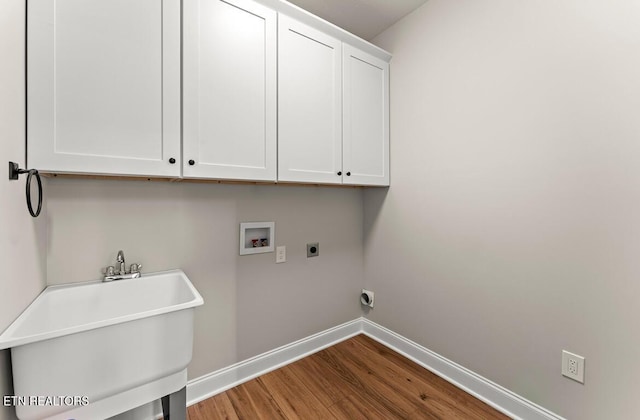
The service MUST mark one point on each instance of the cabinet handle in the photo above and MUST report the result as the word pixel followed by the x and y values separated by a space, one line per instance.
pixel 192 162
pixel 172 161
pixel 348 173
pixel 339 172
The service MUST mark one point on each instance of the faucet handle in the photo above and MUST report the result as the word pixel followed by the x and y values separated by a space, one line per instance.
pixel 109 271
pixel 135 268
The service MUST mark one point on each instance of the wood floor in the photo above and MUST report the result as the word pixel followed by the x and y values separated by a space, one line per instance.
pixel 356 379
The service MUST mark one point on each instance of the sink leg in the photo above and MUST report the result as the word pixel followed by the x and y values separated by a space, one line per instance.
pixel 165 407
pixel 174 406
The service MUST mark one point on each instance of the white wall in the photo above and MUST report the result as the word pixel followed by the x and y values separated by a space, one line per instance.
pixel 512 227
pixel 22 238
pixel 251 304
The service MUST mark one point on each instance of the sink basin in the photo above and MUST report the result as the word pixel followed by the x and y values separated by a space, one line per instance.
pixel 119 344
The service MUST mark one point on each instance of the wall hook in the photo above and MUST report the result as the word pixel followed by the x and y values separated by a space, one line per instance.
pixel 14 174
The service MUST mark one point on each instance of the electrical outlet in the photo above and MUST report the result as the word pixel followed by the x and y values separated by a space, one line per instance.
pixel 281 254
pixel 313 249
pixel 573 366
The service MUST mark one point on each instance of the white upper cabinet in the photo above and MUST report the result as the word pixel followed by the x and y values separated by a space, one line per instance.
pixel 249 90
pixel 309 104
pixel 104 86
pixel 333 110
pixel 366 118
pixel 229 90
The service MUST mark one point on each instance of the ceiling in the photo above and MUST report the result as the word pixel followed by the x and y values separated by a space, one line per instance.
pixel 365 18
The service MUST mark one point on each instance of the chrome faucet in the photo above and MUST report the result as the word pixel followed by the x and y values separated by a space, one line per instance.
pixel 111 273
pixel 120 260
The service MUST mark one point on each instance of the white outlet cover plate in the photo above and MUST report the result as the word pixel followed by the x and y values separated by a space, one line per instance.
pixel 281 254
pixel 573 366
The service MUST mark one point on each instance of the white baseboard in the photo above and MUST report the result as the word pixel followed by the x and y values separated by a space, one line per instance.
pixel 493 394
pixel 209 385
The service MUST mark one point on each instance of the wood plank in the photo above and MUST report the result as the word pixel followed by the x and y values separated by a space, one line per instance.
pixel 332 388
pixel 424 397
pixel 428 399
pixel 293 397
pixel 356 379
pixel 361 407
pixel 324 384
pixel 214 408
pixel 367 382
pixel 435 386
pixel 252 400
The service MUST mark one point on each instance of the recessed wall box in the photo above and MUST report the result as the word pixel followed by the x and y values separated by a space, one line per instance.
pixel 313 250
pixel 256 237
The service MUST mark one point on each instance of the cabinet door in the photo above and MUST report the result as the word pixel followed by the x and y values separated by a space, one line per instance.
pixel 309 104
pixel 366 119
pixel 103 91
pixel 229 93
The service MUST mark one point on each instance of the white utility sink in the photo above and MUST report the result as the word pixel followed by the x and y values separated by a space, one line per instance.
pixel 121 344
